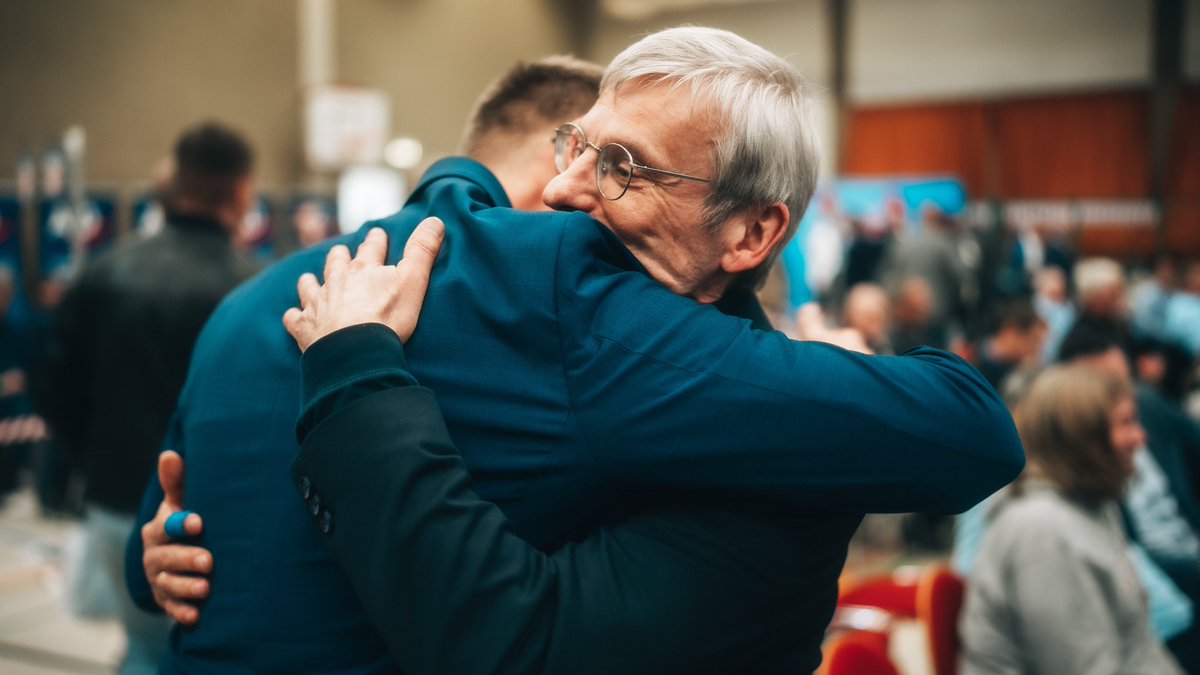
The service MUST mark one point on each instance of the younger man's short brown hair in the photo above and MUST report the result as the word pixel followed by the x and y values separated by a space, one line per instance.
pixel 532 97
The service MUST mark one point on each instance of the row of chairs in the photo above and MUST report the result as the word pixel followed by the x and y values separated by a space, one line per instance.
pixel 868 611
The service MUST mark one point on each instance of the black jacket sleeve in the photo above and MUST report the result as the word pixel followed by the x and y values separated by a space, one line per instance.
pixel 453 590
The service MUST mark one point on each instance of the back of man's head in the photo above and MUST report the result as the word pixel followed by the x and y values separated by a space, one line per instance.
pixel 1016 315
pixel 533 97
pixel 1100 287
pixel 511 126
pixel 768 152
pixel 867 309
pixel 1095 345
pixel 212 163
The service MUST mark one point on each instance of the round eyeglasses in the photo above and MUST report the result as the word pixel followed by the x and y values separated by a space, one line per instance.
pixel 614 167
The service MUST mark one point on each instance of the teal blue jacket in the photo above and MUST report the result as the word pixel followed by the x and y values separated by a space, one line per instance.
pixel 578 391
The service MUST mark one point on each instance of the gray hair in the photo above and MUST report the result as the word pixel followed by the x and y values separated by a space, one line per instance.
pixel 1096 275
pixel 769 150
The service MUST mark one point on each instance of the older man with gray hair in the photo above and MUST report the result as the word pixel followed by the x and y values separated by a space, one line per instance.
pixel 713 470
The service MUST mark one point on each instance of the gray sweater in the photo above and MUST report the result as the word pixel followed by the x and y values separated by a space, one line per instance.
pixel 1055 593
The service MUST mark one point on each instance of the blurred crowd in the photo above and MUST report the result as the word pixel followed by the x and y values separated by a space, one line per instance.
pixel 1097 359
pixel 1004 297
pixel 1106 514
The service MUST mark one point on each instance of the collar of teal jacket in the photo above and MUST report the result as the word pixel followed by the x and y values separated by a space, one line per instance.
pixel 468 169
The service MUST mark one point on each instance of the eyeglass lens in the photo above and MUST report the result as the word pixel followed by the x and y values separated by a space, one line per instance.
pixel 614 166
pixel 613 171
pixel 568 146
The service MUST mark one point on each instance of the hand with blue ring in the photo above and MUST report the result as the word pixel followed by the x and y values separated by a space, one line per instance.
pixel 175 525
pixel 177 570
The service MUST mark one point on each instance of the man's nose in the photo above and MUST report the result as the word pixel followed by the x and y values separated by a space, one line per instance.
pixel 575 188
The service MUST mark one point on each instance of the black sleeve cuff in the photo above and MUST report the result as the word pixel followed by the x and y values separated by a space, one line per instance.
pixel 347 365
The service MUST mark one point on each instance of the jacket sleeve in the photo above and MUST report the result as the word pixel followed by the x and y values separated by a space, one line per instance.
pixel 687 590
pixel 674 394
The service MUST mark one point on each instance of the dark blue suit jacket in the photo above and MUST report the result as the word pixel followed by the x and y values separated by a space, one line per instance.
pixel 574 386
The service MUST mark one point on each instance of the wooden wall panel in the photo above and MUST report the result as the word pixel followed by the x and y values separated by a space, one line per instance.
pixel 1182 221
pixel 1183 171
pixel 1121 243
pixel 1074 146
pixel 925 139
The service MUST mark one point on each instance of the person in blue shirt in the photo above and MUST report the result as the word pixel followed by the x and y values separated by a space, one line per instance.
pixel 593 364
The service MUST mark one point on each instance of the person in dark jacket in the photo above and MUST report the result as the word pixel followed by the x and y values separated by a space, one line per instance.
pixel 119 354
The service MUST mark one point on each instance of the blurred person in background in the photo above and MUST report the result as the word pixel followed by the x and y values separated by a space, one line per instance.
pixel 1183 311
pixel 312 223
pixel 1033 247
pixel 870 239
pixel 913 317
pixel 1023 257
pixel 1015 344
pixel 931 254
pixel 1160 365
pixel 1161 505
pixel 1151 296
pixel 1054 590
pixel 20 428
pixel 823 246
pixel 1053 304
pixel 1100 297
pixel 1170 526
pixel 868 311
pixel 119 353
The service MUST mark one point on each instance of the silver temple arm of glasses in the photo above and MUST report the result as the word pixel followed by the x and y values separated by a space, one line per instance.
pixel 669 173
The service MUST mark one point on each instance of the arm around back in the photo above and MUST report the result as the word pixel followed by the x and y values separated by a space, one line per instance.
pixel 674 394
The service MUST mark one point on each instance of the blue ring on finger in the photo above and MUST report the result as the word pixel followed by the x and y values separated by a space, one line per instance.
pixel 174 526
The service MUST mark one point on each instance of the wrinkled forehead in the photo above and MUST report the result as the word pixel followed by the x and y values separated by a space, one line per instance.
pixel 658 121
pixel 686 98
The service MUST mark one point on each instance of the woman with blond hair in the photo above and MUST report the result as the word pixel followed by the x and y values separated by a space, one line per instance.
pixel 1054 590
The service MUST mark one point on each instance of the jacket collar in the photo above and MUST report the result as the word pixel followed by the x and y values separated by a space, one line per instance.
pixel 466 169
pixel 196 223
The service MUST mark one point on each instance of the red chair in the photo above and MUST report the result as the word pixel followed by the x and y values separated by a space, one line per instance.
pixel 858 653
pixel 934 597
pixel 939 602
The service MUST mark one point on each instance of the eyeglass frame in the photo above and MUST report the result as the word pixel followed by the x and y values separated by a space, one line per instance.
pixel 600 151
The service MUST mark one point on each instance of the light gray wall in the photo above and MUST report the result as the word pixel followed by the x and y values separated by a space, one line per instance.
pixel 434 56
pixel 937 49
pixel 134 72
pixel 794 29
pixel 931 49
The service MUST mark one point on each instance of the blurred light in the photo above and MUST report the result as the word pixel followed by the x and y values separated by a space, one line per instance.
pixel 403 153
pixel 74 139
pixel 366 193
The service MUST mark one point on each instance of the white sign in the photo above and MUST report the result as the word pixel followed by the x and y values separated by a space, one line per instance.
pixel 345 126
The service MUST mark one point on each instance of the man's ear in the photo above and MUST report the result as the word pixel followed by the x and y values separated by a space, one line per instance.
pixel 751 237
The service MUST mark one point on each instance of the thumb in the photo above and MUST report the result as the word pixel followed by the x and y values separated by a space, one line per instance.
pixel 170 476
pixel 423 245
